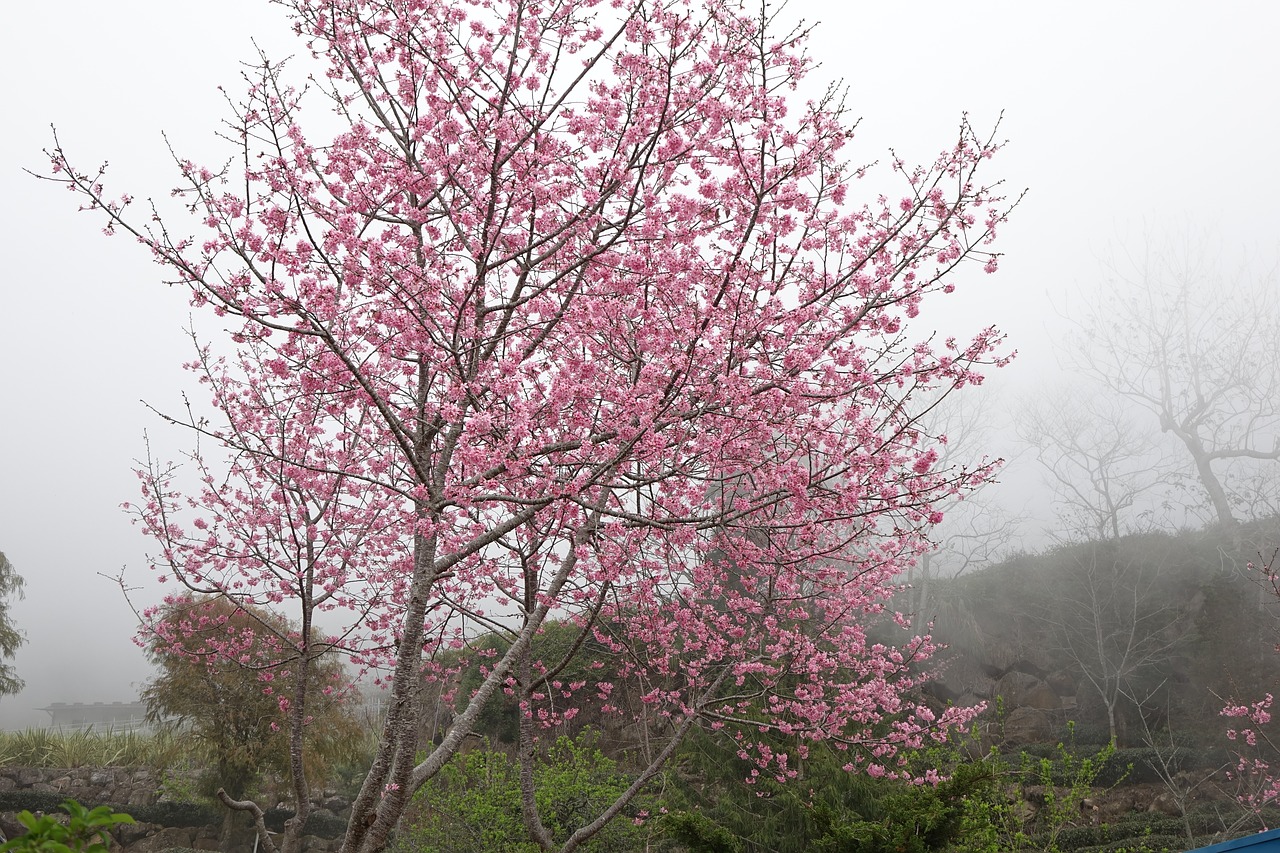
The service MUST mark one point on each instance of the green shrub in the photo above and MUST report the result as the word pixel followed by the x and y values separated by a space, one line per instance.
pixel 1146 844
pixel 84 831
pixel 473 804
pixel 1077 837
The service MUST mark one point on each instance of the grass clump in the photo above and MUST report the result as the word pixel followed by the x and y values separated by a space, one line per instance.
pixel 91 748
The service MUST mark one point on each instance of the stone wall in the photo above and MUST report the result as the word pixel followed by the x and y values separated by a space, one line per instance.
pixel 117 785
pixel 139 791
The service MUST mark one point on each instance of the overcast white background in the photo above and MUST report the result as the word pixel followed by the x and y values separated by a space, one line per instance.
pixel 1122 117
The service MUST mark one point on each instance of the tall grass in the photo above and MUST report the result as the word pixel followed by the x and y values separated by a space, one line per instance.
pixel 174 754
pixel 89 748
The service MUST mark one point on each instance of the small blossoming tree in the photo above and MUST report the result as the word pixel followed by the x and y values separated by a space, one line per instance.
pixel 223 670
pixel 1257 783
pixel 573 319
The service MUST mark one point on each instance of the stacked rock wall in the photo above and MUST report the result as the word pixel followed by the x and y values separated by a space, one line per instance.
pixel 163 824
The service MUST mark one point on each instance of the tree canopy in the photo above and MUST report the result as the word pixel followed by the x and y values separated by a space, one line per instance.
pixel 233 704
pixel 11 638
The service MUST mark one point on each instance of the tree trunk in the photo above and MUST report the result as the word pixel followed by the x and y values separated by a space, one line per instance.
pixel 226 837
pixel 1212 485
pixel 1186 433
pixel 528 756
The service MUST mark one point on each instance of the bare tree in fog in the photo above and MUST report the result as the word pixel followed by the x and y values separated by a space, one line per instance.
pixel 1110 618
pixel 1198 346
pixel 1097 461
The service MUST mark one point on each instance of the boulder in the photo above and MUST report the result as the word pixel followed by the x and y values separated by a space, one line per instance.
pixel 1027 725
pixel 1063 683
pixel 141 795
pixel 170 836
pixel 10 827
pixel 1165 803
pixel 1023 690
pixel 131 833
pixel 25 777
pixel 316 844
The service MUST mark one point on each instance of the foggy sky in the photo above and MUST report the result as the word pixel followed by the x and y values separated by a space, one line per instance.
pixel 1122 118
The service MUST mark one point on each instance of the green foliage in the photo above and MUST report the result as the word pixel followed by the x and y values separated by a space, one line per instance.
pixel 912 818
pixel 985 804
pixel 182 788
pixel 35 801
pixel 179 813
pixel 499 721
pixel 1147 843
pixel 194 814
pixel 167 814
pixel 11 638
pixel 473 805
pixel 698 833
pixel 85 831
pixel 1043 798
pixel 714 809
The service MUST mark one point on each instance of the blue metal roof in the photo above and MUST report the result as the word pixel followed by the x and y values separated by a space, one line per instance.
pixel 1263 842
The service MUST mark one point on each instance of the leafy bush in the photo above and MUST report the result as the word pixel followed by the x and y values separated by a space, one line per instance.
pixel 473 805
pixel 1077 837
pixel 36 801
pixel 85 831
pixel 179 814
pixel 219 701
pixel 1151 843
pixel 714 809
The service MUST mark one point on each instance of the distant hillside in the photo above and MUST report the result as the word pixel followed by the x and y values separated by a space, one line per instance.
pixel 1126 637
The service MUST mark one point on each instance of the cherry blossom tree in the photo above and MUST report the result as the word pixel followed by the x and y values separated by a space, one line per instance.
pixel 1253 745
pixel 1257 786
pixel 573 319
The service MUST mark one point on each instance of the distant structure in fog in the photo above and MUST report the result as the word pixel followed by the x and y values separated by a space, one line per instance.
pixel 78 716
